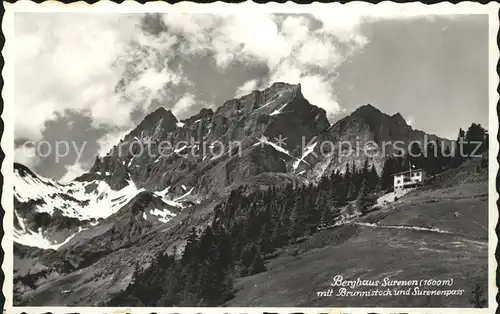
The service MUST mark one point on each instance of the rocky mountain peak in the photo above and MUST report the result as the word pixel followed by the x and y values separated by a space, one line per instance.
pixel 397 115
pixel 160 119
pixel 205 113
pixel 398 118
pixel 366 110
pixel 281 85
pixel 365 125
pixel 277 111
pixel 22 170
pixel 377 119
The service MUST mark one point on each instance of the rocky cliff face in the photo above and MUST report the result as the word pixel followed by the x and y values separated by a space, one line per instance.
pixel 366 134
pixel 212 150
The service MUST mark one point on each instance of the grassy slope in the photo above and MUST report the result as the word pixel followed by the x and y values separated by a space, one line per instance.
pixel 348 250
pixel 373 253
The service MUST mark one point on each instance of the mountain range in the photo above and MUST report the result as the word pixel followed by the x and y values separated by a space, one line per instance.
pixel 131 205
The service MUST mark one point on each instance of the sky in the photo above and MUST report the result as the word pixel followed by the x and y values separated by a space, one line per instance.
pixel 90 78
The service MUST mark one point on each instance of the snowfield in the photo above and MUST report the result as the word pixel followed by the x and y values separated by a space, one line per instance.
pixel 82 200
pixel 278 148
pixel 85 201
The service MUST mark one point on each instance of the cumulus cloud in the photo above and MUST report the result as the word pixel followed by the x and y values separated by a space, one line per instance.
pixel 310 55
pixel 182 106
pixel 109 140
pixel 343 25
pixel 246 88
pixel 101 64
pixel 72 171
pixel 27 156
pixel 410 120
pixel 295 48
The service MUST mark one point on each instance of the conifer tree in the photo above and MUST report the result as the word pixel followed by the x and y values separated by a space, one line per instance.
pixel 347 174
pixel 223 248
pixel 485 145
pixel 251 260
pixel 431 161
pixel 258 265
pixel 458 149
pixel 265 243
pixel 414 156
pixel 364 171
pixel 340 193
pixel 445 158
pixel 362 202
pixel 278 237
pixel 329 216
pixel 476 140
pixel 351 188
pixel 386 179
pixel 190 249
pixel 372 179
pixel 296 229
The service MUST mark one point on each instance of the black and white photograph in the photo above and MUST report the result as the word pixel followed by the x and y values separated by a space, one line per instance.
pixel 250 156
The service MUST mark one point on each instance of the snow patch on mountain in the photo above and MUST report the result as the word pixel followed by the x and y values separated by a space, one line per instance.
pixel 309 149
pixel 184 195
pixel 163 195
pixel 164 214
pixel 28 237
pixel 83 200
pixel 278 111
pixel 178 150
pixel 280 149
pixel 27 187
pixel 163 192
pixel 34 239
pixel 130 162
pixel 267 103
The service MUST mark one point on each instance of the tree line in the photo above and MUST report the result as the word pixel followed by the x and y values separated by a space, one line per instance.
pixel 246 229
pixel 437 157
pixel 201 276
